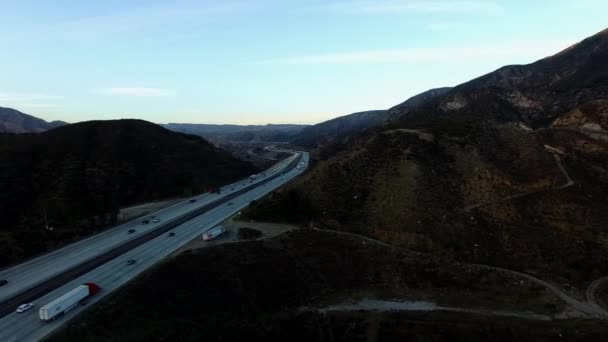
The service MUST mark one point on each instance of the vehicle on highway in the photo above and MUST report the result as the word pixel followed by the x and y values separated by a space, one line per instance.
pixel 131 231
pixel 131 262
pixel 68 301
pixel 145 221
pixel 155 220
pixel 213 233
pixel 172 234
pixel 192 200
pixel 230 203
pixel 24 307
pixel 214 190
pixel 252 178
pixel 3 282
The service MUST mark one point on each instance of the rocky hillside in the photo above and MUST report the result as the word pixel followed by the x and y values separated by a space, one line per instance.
pixel 328 138
pixel 510 169
pixel 75 178
pixel 535 94
pixel 13 121
pixel 339 128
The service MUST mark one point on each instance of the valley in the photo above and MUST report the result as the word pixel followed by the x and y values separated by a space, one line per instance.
pixel 361 171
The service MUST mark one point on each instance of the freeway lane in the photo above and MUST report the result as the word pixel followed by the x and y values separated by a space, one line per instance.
pixel 59 279
pixel 115 273
pixel 28 275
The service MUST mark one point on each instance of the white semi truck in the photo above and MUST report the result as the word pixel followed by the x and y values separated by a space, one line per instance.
pixel 68 301
pixel 213 233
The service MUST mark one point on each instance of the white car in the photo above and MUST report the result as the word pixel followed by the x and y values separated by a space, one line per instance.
pixel 25 307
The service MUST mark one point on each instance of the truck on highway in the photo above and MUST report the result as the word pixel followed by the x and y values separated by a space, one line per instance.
pixel 213 233
pixel 214 190
pixel 68 301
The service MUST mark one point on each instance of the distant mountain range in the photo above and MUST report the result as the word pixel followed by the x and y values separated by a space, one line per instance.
pixel 339 128
pixel 13 121
pixel 242 133
pixel 76 177
pixel 509 169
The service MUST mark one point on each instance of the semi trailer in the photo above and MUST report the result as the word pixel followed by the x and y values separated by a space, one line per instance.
pixel 214 190
pixel 213 233
pixel 68 301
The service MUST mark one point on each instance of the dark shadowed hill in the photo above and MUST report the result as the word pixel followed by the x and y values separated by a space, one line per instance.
pixel 13 121
pixel 510 169
pixel 417 101
pixel 79 175
pixel 339 128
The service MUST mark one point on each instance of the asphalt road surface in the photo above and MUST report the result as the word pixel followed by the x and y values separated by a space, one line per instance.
pixel 38 270
pixel 115 273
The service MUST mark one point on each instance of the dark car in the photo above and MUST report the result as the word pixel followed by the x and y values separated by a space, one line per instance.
pixel 145 221
pixel 193 200
pixel 230 203
pixel 172 234
pixel 131 262
pixel 131 231
pixel 3 282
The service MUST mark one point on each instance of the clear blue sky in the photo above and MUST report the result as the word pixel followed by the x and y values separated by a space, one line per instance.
pixel 264 61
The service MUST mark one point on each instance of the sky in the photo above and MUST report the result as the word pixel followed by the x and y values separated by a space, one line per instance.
pixel 264 61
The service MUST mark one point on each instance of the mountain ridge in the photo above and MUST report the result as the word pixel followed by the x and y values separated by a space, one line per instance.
pixel 509 169
pixel 14 121
pixel 76 177
pixel 536 93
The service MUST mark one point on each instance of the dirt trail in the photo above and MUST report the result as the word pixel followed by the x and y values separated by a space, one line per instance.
pixel 357 236
pixel 388 306
pixel 268 230
pixel 589 308
pixel 592 290
pixel 560 165
pixel 569 181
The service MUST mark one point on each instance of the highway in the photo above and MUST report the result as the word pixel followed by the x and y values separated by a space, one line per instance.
pixel 29 274
pixel 115 272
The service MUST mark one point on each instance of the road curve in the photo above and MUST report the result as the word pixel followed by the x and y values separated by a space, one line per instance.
pixel 590 293
pixel 586 308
